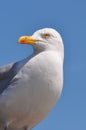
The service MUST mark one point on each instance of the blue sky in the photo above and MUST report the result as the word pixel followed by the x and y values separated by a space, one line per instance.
pixel 23 17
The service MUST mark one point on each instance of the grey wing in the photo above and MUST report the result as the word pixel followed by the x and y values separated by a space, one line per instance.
pixel 7 72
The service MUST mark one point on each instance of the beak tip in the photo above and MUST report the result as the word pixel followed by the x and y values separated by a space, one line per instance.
pixel 21 40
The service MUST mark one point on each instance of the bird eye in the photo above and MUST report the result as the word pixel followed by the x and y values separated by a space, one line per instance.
pixel 46 35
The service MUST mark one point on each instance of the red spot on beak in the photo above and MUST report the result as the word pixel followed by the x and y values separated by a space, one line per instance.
pixel 22 41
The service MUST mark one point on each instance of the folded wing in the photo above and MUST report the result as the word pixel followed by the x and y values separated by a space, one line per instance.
pixel 7 73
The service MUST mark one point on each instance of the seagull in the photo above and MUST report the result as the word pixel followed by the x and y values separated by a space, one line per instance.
pixel 30 88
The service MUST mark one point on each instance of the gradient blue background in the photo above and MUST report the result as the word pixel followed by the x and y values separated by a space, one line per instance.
pixel 23 17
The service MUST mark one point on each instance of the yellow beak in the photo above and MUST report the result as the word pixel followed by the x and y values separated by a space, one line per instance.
pixel 27 40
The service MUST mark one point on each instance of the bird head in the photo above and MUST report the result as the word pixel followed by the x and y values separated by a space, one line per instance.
pixel 44 39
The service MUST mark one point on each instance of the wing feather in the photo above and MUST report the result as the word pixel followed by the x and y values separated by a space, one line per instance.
pixel 7 73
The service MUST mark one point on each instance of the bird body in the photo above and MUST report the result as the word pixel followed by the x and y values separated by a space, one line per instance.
pixel 31 87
